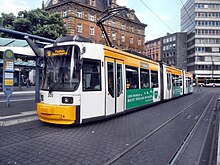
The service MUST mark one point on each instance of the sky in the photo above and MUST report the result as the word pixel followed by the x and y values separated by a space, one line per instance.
pixel 167 10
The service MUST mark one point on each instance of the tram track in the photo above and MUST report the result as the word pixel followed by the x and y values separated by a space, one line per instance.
pixel 188 137
pixel 144 138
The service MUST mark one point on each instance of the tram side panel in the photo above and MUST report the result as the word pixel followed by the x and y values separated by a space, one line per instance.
pixel 92 86
pixel 188 84
pixel 142 85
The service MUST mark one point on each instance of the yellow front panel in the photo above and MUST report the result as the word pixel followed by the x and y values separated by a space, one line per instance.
pixel 56 114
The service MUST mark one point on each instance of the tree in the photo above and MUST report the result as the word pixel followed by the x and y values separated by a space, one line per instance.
pixel 37 22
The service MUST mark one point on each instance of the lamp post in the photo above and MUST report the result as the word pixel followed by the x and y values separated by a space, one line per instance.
pixel 212 66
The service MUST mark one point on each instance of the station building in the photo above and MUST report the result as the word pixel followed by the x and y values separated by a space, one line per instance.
pixel 24 60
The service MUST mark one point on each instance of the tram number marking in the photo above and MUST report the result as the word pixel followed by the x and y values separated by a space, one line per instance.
pixel 50 94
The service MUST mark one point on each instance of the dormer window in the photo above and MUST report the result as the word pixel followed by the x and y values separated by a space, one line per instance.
pixel 132 15
pixel 65 13
pixel 55 2
pixel 92 2
pixel 79 13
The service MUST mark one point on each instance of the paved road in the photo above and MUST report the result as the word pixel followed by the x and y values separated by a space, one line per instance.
pixel 149 136
pixel 28 95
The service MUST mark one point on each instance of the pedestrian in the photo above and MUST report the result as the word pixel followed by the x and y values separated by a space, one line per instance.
pixel 27 83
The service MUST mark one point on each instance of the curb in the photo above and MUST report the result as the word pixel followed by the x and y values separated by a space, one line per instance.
pixel 19 92
pixel 18 121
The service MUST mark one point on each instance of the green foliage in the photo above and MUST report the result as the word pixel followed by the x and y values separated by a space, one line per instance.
pixel 37 22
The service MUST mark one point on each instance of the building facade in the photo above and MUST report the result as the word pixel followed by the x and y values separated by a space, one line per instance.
pixel 125 30
pixel 153 49
pixel 201 20
pixel 170 49
pixel 174 50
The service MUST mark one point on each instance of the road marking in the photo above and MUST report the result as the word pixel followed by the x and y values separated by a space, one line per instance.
pixel 19 92
pixel 4 101
pixel 19 115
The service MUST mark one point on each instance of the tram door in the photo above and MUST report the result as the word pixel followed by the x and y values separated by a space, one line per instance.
pixel 114 86
pixel 169 85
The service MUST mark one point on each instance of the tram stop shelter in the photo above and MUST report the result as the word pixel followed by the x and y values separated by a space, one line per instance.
pixel 24 60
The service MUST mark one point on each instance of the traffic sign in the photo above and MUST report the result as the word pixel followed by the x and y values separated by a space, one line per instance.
pixel 8 73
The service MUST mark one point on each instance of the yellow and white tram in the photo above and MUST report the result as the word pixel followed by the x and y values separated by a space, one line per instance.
pixel 86 81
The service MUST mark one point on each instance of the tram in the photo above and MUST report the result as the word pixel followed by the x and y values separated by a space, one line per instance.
pixel 84 82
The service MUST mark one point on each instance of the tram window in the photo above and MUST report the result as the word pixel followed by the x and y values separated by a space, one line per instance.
pixel 91 75
pixel 119 80
pixel 174 80
pixel 154 79
pixel 145 78
pixel 111 79
pixel 180 80
pixel 132 78
pixel 168 81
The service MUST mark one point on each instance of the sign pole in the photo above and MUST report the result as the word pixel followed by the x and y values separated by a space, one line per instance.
pixel 8 74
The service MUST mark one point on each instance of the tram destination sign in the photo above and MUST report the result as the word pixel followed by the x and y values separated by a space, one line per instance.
pixel 8 72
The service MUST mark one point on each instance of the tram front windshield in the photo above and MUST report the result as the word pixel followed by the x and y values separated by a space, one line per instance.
pixel 60 72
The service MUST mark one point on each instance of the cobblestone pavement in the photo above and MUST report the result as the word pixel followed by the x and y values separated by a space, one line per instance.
pixel 97 142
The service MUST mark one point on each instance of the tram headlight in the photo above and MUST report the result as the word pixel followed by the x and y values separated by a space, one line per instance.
pixel 67 100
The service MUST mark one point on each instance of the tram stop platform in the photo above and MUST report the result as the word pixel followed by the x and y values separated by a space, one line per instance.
pixel 22 106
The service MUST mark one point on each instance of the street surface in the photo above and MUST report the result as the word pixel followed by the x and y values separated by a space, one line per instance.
pixel 179 131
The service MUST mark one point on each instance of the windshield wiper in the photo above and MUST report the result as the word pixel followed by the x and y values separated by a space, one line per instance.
pixel 52 86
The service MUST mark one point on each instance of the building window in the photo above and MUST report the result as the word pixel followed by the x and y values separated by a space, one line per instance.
pixel 65 13
pixel 132 29
pixel 92 17
pixel 103 35
pixel 113 23
pixel 92 2
pixel 139 41
pixel 139 31
pixel 123 26
pixel 92 30
pixel 131 40
pixel 113 35
pixel 123 38
pixel 79 13
pixel 79 27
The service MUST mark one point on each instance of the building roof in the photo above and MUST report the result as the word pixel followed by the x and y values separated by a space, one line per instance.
pixel 101 5
pixel 19 46
pixel 12 42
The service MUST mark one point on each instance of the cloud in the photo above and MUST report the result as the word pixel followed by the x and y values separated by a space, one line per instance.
pixel 14 6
